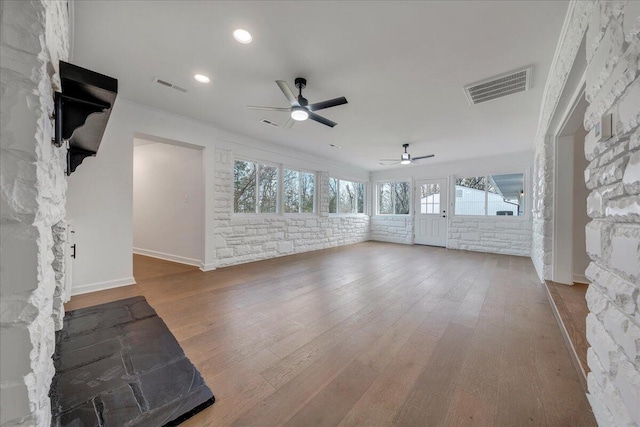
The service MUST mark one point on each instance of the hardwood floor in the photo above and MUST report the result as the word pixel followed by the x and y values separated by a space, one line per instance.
pixel 371 334
pixel 145 267
pixel 571 306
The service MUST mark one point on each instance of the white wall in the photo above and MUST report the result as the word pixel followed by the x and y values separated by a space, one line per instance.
pixel 580 218
pixel 168 201
pixel 563 211
pixel 100 197
pixel 501 234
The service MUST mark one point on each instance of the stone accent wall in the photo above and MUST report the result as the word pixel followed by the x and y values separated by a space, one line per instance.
pixel 613 235
pixel 33 37
pixel 481 234
pixel 543 163
pixel 240 239
pixel 392 228
pixel 487 234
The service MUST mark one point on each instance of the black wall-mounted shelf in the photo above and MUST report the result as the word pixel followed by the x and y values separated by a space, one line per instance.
pixel 82 111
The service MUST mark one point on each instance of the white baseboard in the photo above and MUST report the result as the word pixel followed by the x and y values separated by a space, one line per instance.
pixel 101 286
pixel 167 257
pixel 207 267
pixel 389 240
pixel 580 278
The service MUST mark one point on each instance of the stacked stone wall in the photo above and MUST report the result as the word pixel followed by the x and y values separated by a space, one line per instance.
pixel 33 38
pixel 511 236
pixel 613 235
pixel 246 238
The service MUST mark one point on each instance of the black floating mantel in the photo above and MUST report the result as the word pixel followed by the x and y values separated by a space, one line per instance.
pixel 82 111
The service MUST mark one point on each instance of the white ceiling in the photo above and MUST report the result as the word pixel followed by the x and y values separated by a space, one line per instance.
pixel 401 65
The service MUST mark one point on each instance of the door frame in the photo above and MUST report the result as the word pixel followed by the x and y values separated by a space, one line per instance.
pixel 447 192
pixel 562 246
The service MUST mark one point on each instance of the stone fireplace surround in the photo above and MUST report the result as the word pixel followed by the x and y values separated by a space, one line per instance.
pixel 34 36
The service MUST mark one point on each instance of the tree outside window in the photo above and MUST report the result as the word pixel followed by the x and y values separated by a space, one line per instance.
pixel 298 191
pixel 346 196
pixel 244 187
pixel 394 198
pixel 255 187
pixel 268 184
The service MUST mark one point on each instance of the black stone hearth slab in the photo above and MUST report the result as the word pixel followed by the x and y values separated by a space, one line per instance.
pixel 117 364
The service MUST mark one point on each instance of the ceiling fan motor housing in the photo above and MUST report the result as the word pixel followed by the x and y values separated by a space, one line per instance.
pixel 301 83
pixel 405 156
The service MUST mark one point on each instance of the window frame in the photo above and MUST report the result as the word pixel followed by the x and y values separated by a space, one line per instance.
pixel 525 184
pixel 411 195
pixel 364 199
pixel 315 192
pixel 279 195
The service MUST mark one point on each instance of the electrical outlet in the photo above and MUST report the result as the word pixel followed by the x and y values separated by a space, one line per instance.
pixel 186 198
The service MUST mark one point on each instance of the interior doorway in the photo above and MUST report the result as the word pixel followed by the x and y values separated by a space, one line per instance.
pixel 431 203
pixel 570 258
pixel 168 201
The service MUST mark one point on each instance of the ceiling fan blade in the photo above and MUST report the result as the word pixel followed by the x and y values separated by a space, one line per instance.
pixel 284 87
pixel 423 157
pixel 320 119
pixel 257 107
pixel 388 160
pixel 289 124
pixel 327 104
pixel 384 162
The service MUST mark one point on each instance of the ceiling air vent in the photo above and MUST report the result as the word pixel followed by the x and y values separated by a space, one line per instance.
pixel 499 86
pixel 270 123
pixel 168 84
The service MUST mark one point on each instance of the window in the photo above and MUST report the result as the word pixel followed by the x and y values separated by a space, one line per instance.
pixel 394 198
pixel 346 196
pixel 298 191
pixel 255 187
pixel 490 195
pixel 430 198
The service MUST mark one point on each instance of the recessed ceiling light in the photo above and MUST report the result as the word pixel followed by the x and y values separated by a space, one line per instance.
pixel 242 36
pixel 201 78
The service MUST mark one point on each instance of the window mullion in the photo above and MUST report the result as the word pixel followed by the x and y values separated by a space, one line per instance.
pixel 486 195
pixel 257 210
pixel 299 191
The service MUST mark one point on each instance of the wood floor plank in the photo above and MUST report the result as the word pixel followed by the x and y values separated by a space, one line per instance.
pixel 371 334
pixel 519 390
pixel 278 408
pixel 384 398
pixel 237 388
pixel 468 409
pixel 571 306
pixel 329 406
pixel 434 387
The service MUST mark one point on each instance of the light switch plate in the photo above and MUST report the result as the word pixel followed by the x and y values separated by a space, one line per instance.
pixel 604 128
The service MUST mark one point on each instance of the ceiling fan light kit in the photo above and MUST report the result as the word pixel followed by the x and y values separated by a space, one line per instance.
pixel 299 114
pixel 300 109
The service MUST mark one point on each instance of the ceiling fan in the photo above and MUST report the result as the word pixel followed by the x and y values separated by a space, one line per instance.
pixel 300 108
pixel 405 158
